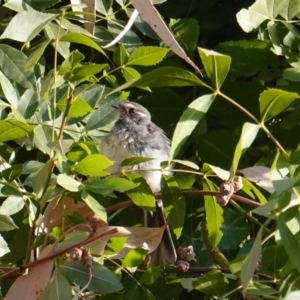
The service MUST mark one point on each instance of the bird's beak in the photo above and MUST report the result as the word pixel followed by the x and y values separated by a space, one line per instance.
pixel 120 108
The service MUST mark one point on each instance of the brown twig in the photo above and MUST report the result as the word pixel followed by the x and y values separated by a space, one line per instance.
pixel 235 197
pixel 18 272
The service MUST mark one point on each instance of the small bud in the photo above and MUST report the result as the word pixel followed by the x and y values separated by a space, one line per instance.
pixel 95 221
pixel 182 266
pixel 226 189
pixel 186 253
pixel 222 199
pixel 75 253
pixel 237 183
pixel 86 259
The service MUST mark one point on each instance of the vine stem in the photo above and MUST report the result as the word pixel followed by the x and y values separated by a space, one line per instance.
pixel 251 116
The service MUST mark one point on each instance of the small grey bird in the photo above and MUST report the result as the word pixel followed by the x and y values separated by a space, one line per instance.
pixel 135 135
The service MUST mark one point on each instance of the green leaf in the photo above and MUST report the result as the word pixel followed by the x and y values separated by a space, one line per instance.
pixel 134 258
pixel 291 74
pixel 83 73
pixel 141 195
pixel 81 150
pixel 186 32
pixel 174 204
pixel 290 243
pixel 136 291
pixel 12 173
pixel 81 39
pixel 147 56
pixel 41 178
pixel 290 9
pixel 248 135
pixel 216 66
pixel 235 229
pixel 69 183
pixel 211 283
pixel 114 245
pixel 130 73
pixel 79 107
pixel 274 101
pixel 12 130
pixel 109 185
pixel 103 280
pixel 134 160
pixel 11 205
pixel 250 264
pixel 42 137
pixel 214 214
pixel 9 90
pixel 120 56
pixel 168 76
pixel 101 117
pixel 54 32
pixel 73 238
pixel 94 205
pixel 3 247
pixel 6 223
pixel 248 56
pixel 35 56
pixel 57 288
pixel 257 13
pixel 12 63
pixel 188 121
pixel 151 275
pixel 93 165
pixel 32 22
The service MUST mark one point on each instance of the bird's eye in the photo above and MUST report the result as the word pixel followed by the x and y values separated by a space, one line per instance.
pixel 131 110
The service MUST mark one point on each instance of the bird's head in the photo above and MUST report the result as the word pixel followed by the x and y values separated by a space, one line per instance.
pixel 134 112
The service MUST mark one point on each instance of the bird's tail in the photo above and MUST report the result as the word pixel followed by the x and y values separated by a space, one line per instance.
pixel 165 253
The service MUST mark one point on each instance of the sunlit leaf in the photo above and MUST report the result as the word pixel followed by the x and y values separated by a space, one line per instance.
pixel 141 195
pixel 6 223
pixel 83 40
pixel 13 129
pixel 216 66
pixel 79 107
pixel 250 264
pixel 174 204
pixel 32 23
pixel 109 185
pixel 147 56
pixel 274 101
pixel 290 243
pixel 93 165
pixel 248 135
pixel 94 205
pixel 134 257
pixel 214 215
pixel 69 183
pixel 188 121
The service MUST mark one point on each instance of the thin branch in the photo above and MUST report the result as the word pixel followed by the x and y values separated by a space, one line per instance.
pixel 18 272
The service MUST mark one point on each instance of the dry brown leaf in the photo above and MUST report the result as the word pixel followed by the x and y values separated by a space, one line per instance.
pixel 142 237
pixel 138 237
pixel 151 16
pixel 31 286
pixel 57 209
pixel 260 175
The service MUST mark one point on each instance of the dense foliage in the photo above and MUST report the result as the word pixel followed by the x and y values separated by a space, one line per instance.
pixel 231 108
